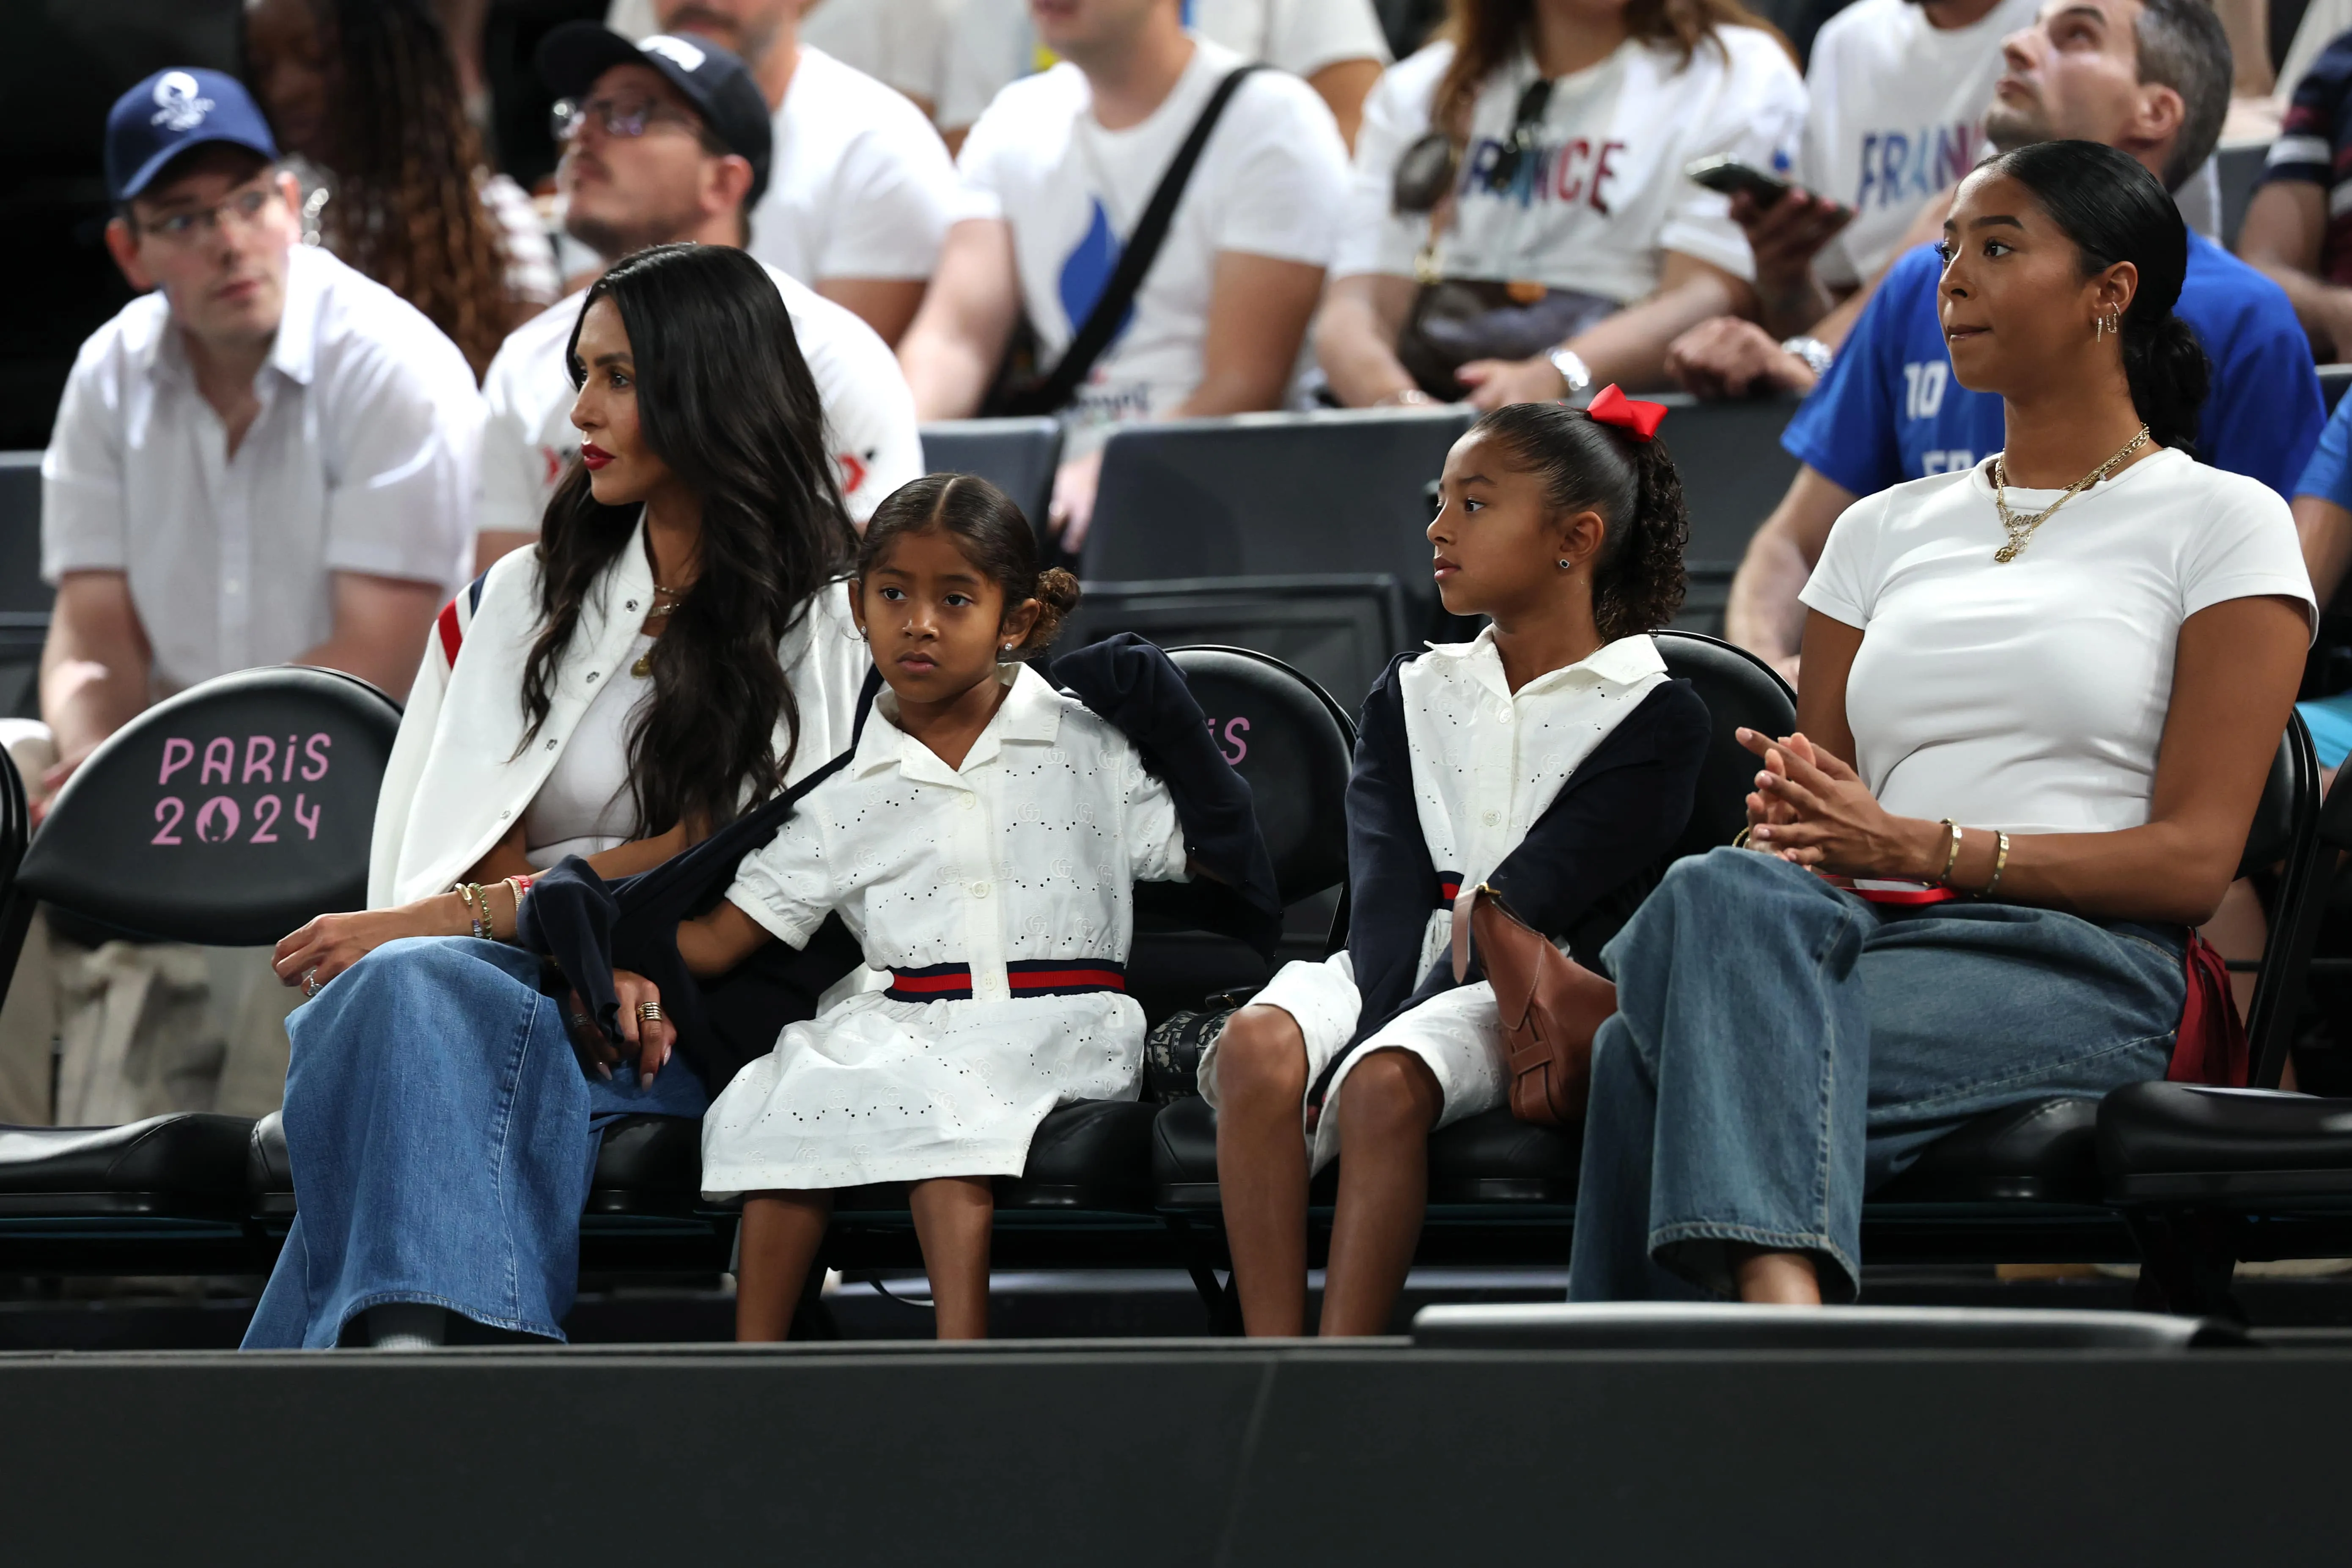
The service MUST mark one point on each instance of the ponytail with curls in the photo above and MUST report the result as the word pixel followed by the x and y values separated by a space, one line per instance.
pixel 2113 210
pixel 993 533
pixel 1638 579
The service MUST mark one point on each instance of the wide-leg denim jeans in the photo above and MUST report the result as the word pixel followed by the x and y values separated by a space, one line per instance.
pixel 1782 1048
pixel 442 1133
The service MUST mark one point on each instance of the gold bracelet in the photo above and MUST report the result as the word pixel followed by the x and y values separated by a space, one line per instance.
pixel 1999 864
pixel 1952 855
pixel 1739 840
pixel 470 894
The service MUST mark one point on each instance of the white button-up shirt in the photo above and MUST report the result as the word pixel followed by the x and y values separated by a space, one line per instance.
pixel 1486 760
pixel 362 459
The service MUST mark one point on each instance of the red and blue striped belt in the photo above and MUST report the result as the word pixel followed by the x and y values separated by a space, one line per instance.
pixel 1026 976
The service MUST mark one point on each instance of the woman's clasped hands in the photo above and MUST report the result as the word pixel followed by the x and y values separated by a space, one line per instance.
pixel 1811 809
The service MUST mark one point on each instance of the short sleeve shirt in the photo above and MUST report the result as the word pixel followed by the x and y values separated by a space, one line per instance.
pixel 1026 851
pixel 1603 198
pixel 1072 192
pixel 2315 147
pixel 869 413
pixel 1889 410
pixel 2031 696
pixel 861 186
pixel 362 459
pixel 994 44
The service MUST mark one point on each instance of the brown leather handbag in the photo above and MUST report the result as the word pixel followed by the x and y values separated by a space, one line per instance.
pixel 1550 1007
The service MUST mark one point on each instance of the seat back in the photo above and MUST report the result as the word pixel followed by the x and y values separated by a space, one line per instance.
pixel 1260 495
pixel 2333 380
pixel 1017 455
pixel 1284 734
pixel 2290 831
pixel 1739 690
pixel 225 815
pixel 1734 472
pixel 1340 631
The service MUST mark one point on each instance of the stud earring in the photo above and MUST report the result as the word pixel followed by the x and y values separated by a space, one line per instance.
pixel 1568 566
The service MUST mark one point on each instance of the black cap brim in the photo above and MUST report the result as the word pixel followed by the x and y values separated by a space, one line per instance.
pixel 571 57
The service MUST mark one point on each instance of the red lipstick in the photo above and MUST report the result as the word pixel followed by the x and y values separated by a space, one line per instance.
pixel 593 456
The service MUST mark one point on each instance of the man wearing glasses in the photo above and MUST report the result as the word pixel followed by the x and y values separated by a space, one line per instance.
pixel 667 140
pixel 265 458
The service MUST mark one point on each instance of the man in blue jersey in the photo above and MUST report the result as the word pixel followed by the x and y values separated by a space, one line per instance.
pixel 2152 78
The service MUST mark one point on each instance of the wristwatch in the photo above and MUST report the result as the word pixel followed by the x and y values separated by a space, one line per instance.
pixel 1816 353
pixel 1572 370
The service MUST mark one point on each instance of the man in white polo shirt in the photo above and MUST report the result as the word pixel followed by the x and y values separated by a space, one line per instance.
pixel 668 140
pixel 859 199
pixel 266 457
pixel 1058 175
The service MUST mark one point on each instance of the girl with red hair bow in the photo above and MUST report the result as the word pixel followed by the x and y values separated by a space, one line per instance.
pixel 1549 757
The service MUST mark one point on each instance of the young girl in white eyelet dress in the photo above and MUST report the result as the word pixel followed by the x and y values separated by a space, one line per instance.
pixel 980 843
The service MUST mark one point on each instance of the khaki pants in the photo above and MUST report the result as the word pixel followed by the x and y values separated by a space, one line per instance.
pixel 134 1029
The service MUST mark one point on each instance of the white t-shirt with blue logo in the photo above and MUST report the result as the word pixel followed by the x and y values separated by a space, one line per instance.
pixel 1604 199
pixel 1889 410
pixel 1268 184
pixel 1898 108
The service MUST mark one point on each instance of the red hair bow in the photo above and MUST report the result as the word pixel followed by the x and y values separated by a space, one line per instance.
pixel 1610 407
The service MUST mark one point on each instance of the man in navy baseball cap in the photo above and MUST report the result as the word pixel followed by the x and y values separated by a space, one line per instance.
pixel 575 57
pixel 172 112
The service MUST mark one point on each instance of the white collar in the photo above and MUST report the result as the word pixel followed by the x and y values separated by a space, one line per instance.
pixel 1628 661
pixel 1031 714
pixel 293 349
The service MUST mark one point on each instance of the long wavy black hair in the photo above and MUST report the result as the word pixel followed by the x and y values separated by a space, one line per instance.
pixel 726 400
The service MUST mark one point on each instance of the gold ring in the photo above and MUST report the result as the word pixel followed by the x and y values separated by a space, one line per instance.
pixel 649 1012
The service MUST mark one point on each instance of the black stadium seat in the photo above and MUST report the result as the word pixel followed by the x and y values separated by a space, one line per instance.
pixel 2211 1175
pixel 1338 630
pixel 1017 455
pixel 1263 495
pixel 225 815
pixel 23 597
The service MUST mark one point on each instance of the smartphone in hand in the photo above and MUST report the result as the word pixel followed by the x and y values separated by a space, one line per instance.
pixel 1729 177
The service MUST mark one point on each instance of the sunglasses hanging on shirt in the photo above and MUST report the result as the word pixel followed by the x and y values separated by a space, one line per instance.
pixel 1426 171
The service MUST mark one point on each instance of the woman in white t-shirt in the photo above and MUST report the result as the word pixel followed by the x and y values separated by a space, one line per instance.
pixel 677 646
pixel 1518 224
pixel 2041 698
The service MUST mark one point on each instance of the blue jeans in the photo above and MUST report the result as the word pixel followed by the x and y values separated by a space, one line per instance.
pixel 442 1134
pixel 1782 1047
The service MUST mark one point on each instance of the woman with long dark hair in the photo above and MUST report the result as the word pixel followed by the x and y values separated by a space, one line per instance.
pixel 2041 697
pixel 677 649
pixel 363 95
pixel 1519 227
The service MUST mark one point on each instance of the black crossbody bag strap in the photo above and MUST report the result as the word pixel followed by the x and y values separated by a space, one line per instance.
pixel 1102 323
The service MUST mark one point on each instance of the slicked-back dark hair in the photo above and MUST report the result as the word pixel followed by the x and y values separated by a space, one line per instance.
pixel 726 400
pixel 2113 210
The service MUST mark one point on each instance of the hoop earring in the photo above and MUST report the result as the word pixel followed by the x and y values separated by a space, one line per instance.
pixel 2098 328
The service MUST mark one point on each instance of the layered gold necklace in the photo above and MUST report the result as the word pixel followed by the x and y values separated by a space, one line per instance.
pixel 2021 529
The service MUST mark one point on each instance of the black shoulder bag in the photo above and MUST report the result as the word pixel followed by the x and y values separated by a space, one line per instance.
pixel 1051 393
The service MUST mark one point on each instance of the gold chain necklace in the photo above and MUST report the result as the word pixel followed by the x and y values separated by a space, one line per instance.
pixel 2021 529
pixel 645 665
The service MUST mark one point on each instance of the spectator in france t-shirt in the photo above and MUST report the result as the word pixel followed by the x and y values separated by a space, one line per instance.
pixel 2298 227
pixel 1057 173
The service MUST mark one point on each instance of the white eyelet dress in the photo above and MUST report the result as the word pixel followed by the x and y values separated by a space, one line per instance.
pixel 1004 888
pixel 1486 762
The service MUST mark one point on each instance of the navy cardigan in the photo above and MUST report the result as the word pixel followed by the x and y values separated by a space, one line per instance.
pixel 1583 867
pixel 590 927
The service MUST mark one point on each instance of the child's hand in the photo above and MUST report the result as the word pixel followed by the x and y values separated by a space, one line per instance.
pixel 654 1037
